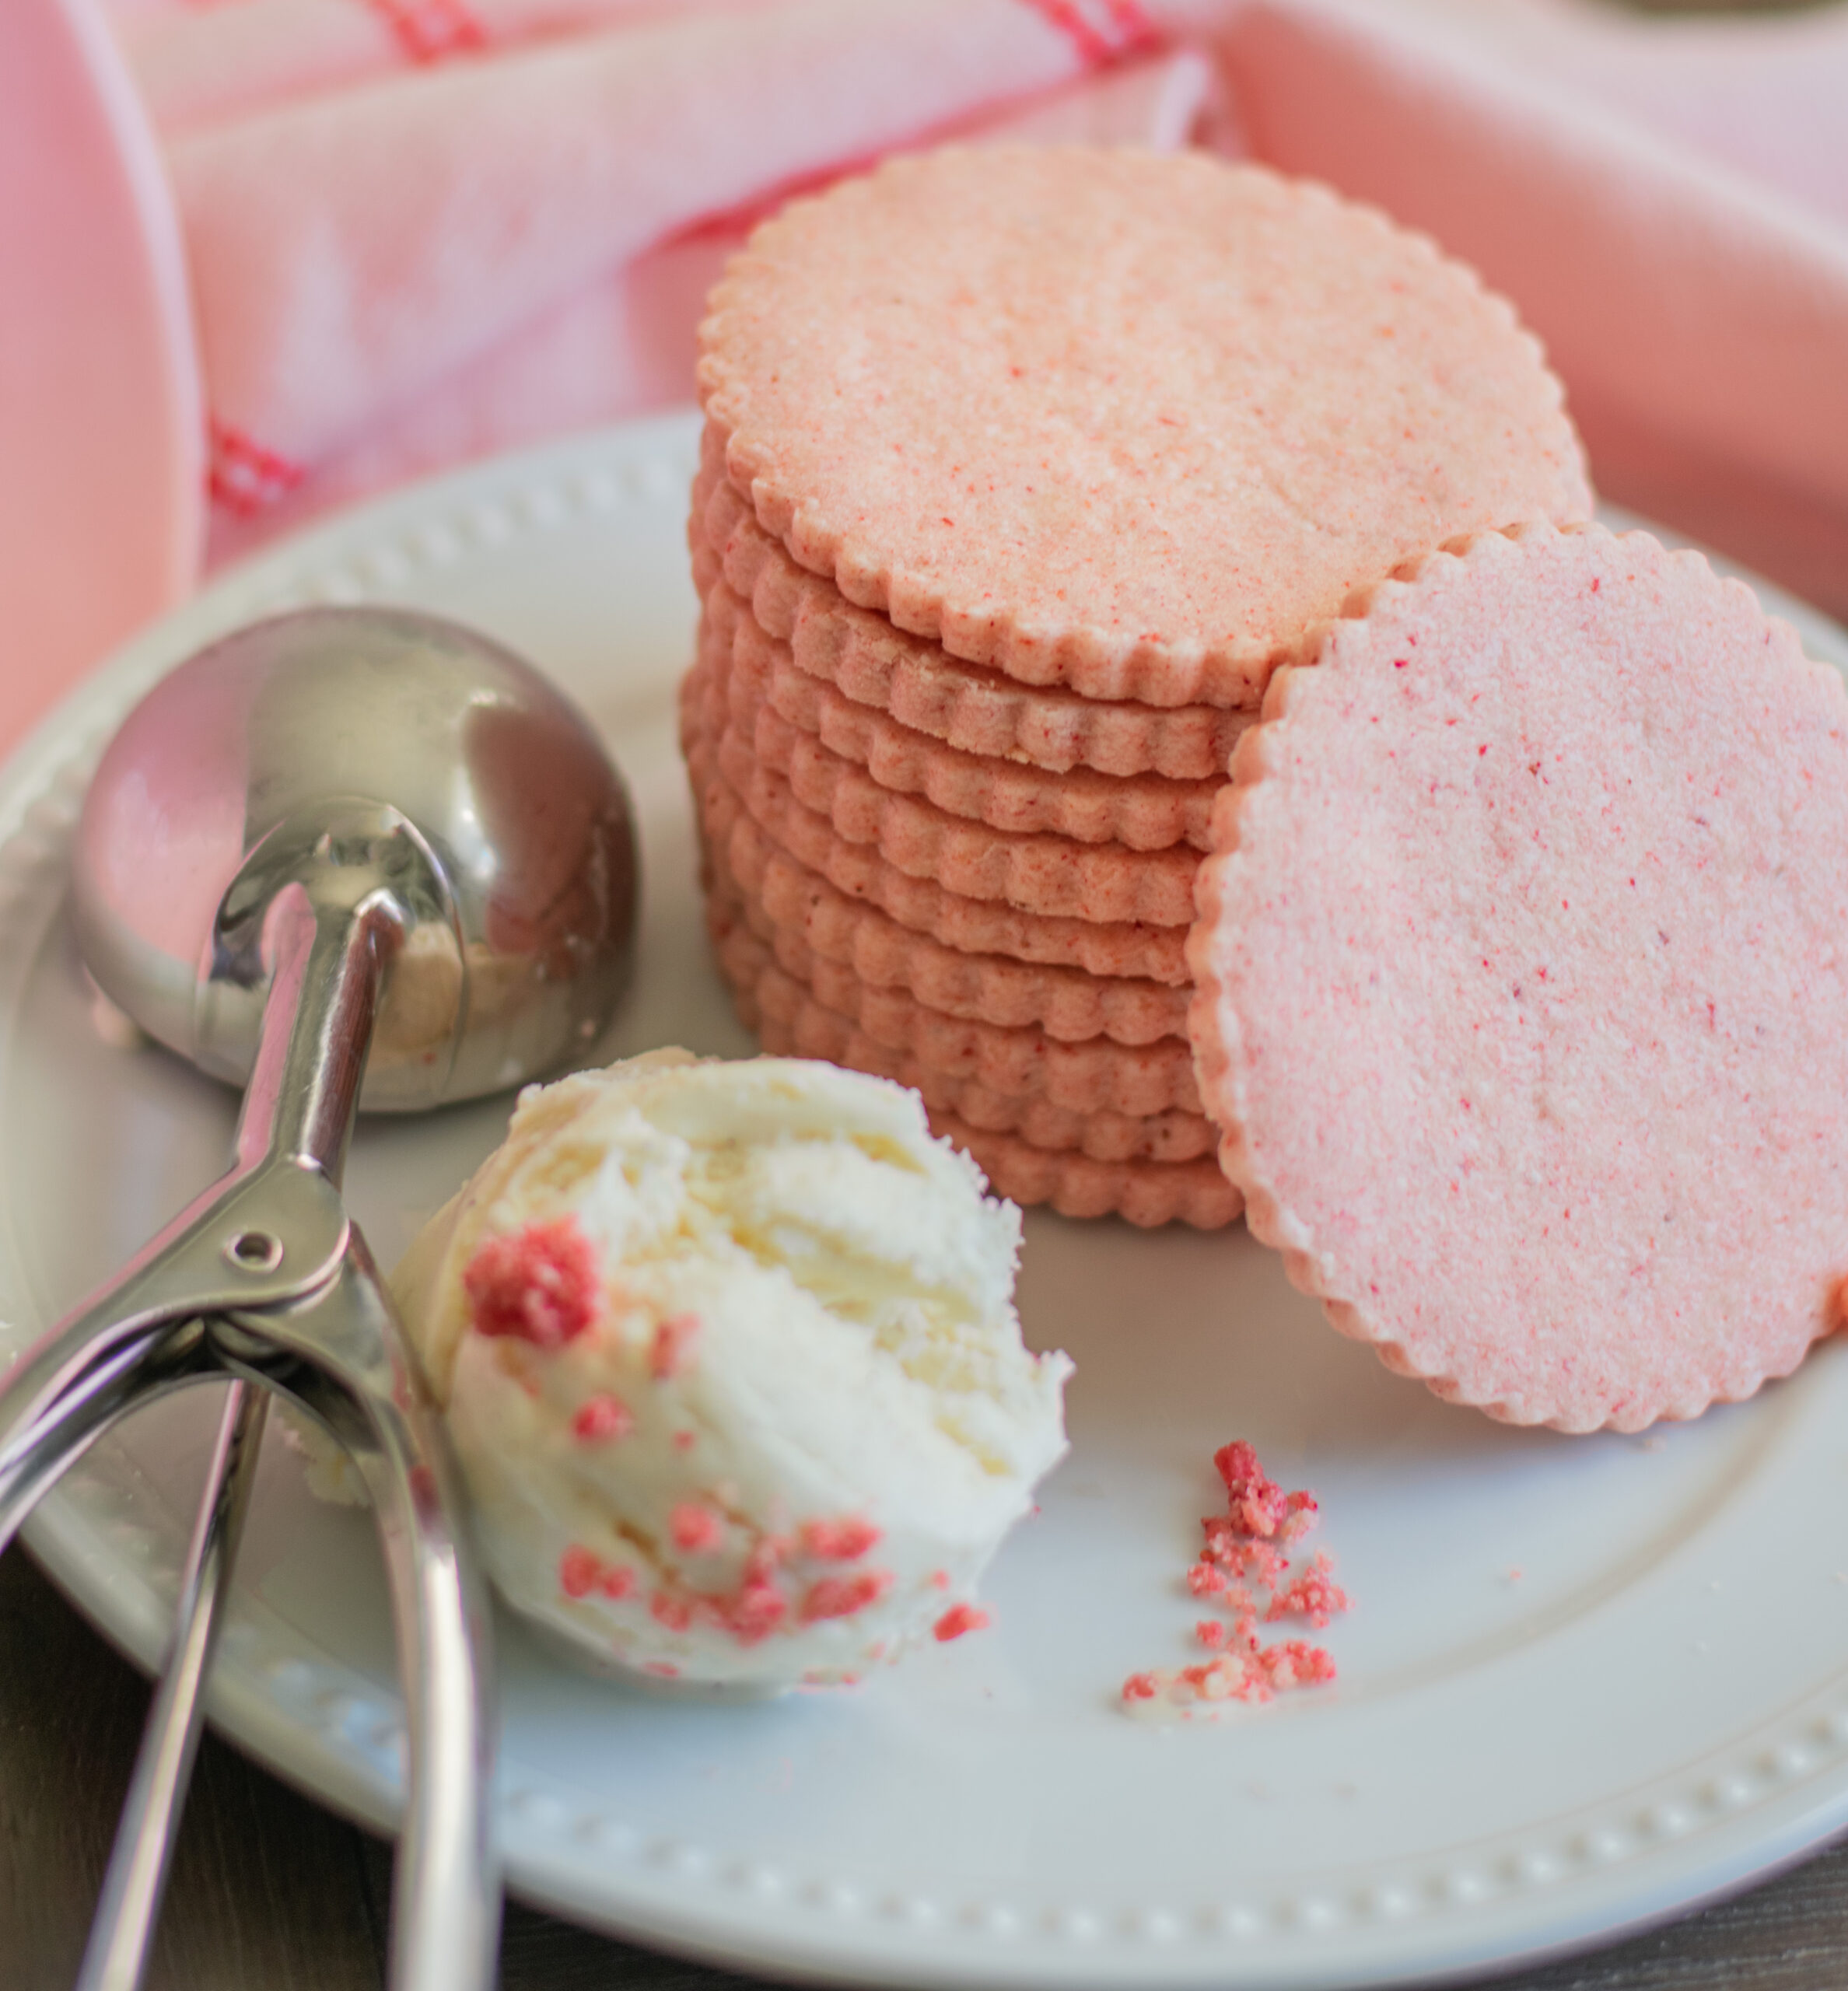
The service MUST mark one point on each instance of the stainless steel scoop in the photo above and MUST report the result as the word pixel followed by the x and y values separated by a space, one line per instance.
pixel 346 858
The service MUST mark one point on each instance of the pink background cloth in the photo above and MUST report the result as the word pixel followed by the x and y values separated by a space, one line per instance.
pixel 417 231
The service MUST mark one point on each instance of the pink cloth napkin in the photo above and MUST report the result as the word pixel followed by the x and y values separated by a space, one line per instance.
pixel 423 229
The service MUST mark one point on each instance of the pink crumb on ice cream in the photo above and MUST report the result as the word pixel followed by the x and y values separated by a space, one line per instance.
pixel 844 1540
pixel 603 1418
pixel 673 1350
pixel 539 1284
pixel 695 1528
pixel 957 1620
pixel 841 1597
pixel 578 1572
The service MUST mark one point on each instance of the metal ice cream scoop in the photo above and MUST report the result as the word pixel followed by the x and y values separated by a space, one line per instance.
pixel 346 857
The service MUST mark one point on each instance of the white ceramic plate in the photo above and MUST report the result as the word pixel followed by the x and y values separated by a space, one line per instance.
pixel 1587 1681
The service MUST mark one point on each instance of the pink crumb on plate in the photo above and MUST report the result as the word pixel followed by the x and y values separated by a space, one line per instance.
pixel 958 1620
pixel 1242 1671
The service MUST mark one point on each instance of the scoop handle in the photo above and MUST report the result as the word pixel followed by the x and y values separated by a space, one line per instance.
pixel 122 1930
pixel 264 1275
pixel 355 1371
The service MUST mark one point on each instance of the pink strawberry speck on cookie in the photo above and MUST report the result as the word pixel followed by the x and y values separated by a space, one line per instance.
pixel 538 1284
pixel 957 1620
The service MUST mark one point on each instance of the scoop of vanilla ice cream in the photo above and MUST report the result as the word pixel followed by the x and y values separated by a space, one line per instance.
pixel 729 1356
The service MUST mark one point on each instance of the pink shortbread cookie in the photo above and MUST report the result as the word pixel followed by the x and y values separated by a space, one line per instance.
pixel 787 713
pixel 1096 1076
pixel 1522 976
pixel 1104 883
pixel 1147 1193
pixel 789 1023
pixel 810 850
pixel 921 686
pixel 1129 423
pixel 845 928
pixel 823 932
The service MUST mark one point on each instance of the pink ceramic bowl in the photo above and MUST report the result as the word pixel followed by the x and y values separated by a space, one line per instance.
pixel 101 432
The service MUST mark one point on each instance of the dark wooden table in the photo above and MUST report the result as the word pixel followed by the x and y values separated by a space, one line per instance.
pixel 271 1893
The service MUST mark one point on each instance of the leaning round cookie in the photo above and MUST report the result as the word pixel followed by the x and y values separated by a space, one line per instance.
pixel 921 686
pixel 1126 423
pixel 1521 973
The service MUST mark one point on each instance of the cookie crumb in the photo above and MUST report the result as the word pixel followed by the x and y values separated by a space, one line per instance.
pixel 1244 1570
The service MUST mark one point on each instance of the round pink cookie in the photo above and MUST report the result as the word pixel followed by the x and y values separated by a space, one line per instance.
pixel 1096 1076
pixel 920 685
pixel 1522 972
pixel 810 846
pixel 1107 883
pixel 1072 1179
pixel 790 1023
pixel 810 923
pixel 1147 1194
pixel 787 712
pixel 816 933
pixel 1129 423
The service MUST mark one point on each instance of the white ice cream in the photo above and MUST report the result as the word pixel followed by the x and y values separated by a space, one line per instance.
pixel 730 1355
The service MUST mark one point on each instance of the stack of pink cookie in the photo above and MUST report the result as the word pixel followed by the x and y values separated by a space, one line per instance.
pixel 1022 472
